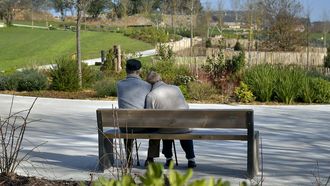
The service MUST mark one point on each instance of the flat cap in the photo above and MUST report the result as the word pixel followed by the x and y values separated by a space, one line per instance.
pixel 133 64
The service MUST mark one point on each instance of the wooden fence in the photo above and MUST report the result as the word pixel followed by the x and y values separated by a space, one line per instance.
pixel 195 64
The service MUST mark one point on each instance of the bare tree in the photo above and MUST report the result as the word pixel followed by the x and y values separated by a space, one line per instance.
pixel 220 8
pixel 282 25
pixel 208 17
pixel 235 5
pixel 325 27
pixel 307 29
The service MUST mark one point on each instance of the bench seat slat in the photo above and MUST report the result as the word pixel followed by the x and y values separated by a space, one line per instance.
pixel 196 135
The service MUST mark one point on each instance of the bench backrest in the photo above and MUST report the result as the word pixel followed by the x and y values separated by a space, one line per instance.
pixel 190 118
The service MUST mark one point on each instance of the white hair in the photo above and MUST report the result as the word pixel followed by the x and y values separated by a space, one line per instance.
pixel 153 77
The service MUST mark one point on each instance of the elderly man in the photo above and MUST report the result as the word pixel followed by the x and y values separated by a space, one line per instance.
pixel 132 93
pixel 164 96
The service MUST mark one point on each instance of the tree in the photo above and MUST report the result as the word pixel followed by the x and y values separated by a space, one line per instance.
pixel 282 25
pixel 307 30
pixel 220 8
pixel 325 27
pixel 7 8
pixel 97 7
pixel 81 6
pixel 62 6
pixel 235 5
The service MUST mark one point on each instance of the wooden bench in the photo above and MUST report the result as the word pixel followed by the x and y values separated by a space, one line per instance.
pixel 217 124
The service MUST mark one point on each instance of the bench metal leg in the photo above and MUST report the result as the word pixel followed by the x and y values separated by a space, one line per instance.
pixel 253 156
pixel 256 152
pixel 176 158
pixel 106 158
pixel 137 153
pixel 108 149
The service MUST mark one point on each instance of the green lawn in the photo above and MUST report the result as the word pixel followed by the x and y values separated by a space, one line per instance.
pixel 25 46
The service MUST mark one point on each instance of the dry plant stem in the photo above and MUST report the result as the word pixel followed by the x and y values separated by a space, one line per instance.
pixel 11 141
pixel 20 138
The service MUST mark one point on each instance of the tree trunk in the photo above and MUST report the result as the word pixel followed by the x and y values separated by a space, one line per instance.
pixel 78 42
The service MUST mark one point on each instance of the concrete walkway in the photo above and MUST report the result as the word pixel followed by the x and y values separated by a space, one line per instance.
pixel 294 140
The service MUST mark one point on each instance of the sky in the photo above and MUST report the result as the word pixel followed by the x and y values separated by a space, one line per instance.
pixel 316 7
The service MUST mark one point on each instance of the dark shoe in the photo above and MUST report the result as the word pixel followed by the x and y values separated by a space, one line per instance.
pixel 148 161
pixel 191 164
pixel 168 162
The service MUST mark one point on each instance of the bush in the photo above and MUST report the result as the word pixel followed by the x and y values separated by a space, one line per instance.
pixel 149 35
pixel 154 176
pixel 215 66
pixel 168 70
pixel 322 90
pixel 106 87
pixel 183 79
pixel 25 80
pixel 243 93
pixel 262 81
pixel 307 93
pixel 288 84
pixel 64 75
pixel 238 46
pixel 236 64
pixel 184 90
pixel 201 91
pixel 3 82
pixel 327 59
pixel 165 52
pixel 31 80
pixel 208 43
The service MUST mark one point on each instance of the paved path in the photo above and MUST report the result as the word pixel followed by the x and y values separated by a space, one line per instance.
pixel 294 139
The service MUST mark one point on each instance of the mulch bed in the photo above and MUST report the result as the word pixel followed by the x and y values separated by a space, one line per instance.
pixel 16 180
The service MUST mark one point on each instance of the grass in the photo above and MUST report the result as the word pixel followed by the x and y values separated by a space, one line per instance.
pixel 22 47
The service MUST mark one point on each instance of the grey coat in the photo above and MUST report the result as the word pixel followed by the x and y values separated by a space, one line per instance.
pixel 164 96
pixel 132 92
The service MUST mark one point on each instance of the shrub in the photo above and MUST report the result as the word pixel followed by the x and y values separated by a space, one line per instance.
pixel 262 81
pixel 327 59
pixel 288 84
pixel 183 79
pixel 184 90
pixel 243 93
pixel 201 91
pixel 238 46
pixel 307 93
pixel 208 43
pixel 64 75
pixel 3 82
pixel 25 80
pixel 219 68
pixel 149 35
pixel 236 64
pixel 106 87
pixel 168 70
pixel 154 176
pixel 215 66
pixel 165 52
pixel 31 80
pixel 322 90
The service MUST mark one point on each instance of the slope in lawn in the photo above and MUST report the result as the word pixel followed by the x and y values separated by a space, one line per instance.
pixel 25 46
